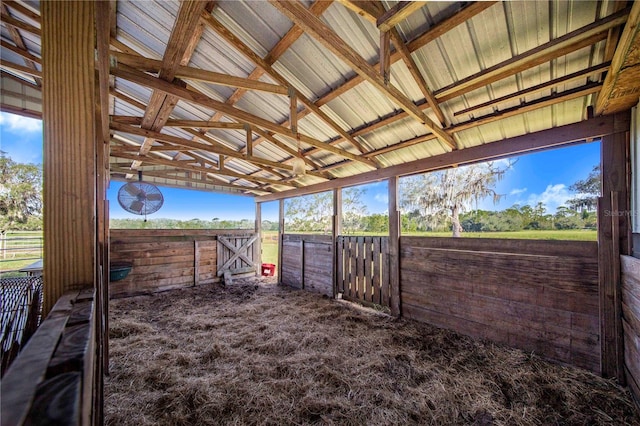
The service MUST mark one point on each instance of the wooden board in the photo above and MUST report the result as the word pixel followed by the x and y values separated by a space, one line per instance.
pixel 318 258
pixel 631 321
pixel 515 293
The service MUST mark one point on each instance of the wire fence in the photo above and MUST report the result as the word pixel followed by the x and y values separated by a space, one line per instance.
pixel 20 314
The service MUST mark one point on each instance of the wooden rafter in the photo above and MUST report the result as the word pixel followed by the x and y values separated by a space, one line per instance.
pixel 518 145
pixel 196 74
pixel 398 13
pixel 467 12
pixel 578 75
pixel 192 96
pixel 371 11
pixel 187 166
pixel 181 45
pixel 10 21
pixel 174 174
pixel 623 66
pixel 20 48
pixel 322 33
pixel 177 143
pixel 570 42
pixel 215 25
pixel 317 8
pixel 21 69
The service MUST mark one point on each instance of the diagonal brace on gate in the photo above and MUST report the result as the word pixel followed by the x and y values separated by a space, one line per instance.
pixel 237 253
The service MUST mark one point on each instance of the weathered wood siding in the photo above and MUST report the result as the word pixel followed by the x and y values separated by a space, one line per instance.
pixel 52 380
pixel 163 259
pixel 363 269
pixel 307 262
pixel 631 321
pixel 540 296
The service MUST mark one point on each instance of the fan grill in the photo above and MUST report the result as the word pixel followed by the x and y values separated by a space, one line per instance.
pixel 140 198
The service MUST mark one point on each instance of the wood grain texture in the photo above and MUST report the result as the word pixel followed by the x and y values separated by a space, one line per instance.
pixel 526 297
pixel 631 321
pixel 69 146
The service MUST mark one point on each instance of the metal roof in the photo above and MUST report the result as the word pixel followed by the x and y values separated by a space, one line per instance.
pixel 495 70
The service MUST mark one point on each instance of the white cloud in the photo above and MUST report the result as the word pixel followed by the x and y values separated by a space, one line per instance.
pixel 552 197
pixel 381 197
pixel 17 123
pixel 518 191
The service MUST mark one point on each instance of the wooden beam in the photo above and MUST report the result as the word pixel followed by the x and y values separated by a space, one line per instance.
pixel 191 145
pixel 582 37
pixel 612 241
pixel 556 98
pixel 186 31
pixel 21 52
pixel 394 247
pixel 250 54
pixel 69 147
pixel 257 245
pixel 546 139
pixel 336 231
pixel 385 60
pixel 21 68
pixel 204 124
pixel 623 63
pixel 539 87
pixel 24 9
pixel 466 12
pixel 398 13
pixel 323 34
pixel 196 74
pixel 10 21
pixel 131 74
pixel 173 163
pixel 371 10
pixel 20 111
pixel 120 173
pixel 280 237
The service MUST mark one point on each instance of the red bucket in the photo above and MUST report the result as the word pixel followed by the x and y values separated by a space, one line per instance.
pixel 268 269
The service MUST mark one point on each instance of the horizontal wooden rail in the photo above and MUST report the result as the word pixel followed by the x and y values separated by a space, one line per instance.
pixel 52 381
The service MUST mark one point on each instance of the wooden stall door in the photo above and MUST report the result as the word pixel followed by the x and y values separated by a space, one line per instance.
pixel 235 253
pixel 363 269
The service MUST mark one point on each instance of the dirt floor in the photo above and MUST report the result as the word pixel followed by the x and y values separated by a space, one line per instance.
pixel 258 353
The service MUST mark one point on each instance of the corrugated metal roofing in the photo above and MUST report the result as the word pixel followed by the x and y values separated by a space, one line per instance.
pixel 495 35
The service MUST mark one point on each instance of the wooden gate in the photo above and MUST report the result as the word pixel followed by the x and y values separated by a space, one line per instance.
pixel 235 254
pixel 363 269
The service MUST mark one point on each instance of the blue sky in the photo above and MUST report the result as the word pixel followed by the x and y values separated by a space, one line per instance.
pixel 544 176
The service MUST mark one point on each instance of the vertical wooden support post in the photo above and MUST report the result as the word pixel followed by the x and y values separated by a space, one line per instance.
pixel 196 263
pixel 257 246
pixel 247 128
pixel 336 232
pixel 613 225
pixel 385 56
pixel 68 61
pixel 280 237
pixel 394 247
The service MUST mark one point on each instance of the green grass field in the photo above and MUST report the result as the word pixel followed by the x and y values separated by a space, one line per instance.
pixel 19 252
pixel 270 238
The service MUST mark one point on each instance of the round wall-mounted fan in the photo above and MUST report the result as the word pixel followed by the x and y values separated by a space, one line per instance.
pixel 140 198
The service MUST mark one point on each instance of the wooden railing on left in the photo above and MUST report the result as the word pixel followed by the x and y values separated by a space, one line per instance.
pixel 52 379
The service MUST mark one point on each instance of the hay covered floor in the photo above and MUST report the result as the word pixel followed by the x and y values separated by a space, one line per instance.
pixel 258 353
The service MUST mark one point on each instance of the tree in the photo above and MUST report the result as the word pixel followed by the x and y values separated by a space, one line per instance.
pixel 444 195
pixel 587 191
pixel 20 195
pixel 313 213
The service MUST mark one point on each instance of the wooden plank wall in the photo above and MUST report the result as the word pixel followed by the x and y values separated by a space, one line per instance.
pixel 540 296
pixel 307 262
pixel 163 259
pixel 631 322
pixel 363 269
pixel 52 380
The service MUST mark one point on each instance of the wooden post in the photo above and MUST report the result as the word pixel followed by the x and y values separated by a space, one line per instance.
pixel 68 62
pixel 385 55
pixel 613 224
pixel 257 246
pixel 336 232
pixel 280 234
pixel 394 247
